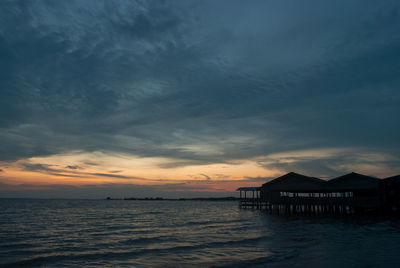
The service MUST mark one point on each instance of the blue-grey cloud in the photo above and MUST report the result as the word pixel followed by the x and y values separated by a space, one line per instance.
pixel 70 171
pixel 37 167
pixel 113 176
pixel 154 78
pixel 73 167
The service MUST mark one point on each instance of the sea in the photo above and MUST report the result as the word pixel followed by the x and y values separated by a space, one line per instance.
pixel 139 233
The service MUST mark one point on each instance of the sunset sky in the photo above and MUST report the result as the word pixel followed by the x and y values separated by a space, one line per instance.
pixel 194 98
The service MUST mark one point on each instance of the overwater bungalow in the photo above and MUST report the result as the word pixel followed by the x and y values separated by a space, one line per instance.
pixel 291 192
pixel 390 188
pixel 350 193
pixel 353 192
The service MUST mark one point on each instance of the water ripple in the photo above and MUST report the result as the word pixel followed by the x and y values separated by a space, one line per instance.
pixel 95 233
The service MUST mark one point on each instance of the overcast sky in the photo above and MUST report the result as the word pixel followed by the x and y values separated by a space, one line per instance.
pixel 189 98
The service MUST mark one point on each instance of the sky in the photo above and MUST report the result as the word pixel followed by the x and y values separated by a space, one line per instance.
pixel 194 98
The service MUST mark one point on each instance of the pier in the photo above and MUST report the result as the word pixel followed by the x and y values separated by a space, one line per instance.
pixel 353 193
pixel 250 197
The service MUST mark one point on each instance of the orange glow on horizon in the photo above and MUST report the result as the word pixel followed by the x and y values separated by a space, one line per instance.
pixel 78 169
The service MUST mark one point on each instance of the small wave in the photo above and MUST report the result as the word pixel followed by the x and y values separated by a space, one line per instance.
pixel 33 262
pixel 154 212
pixel 210 222
pixel 244 241
pixel 272 257
pixel 257 262
pixel 17 245
pixel 147 240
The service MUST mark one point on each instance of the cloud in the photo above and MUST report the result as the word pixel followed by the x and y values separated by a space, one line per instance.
pixel 37 167
pixel 331 162
pixel 259 179
pixel 73 167
pixel 193 83
pixel 71 171
pixel 115 176
pixel 206 176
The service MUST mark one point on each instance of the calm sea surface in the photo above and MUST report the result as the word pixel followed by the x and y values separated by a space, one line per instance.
pixel 92 233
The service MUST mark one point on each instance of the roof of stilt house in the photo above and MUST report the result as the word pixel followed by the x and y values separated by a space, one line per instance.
pixel 294 182
pixel 393 181
pixel 393 178
pixel 352 181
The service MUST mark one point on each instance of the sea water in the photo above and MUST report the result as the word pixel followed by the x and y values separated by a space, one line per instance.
pixel 100 233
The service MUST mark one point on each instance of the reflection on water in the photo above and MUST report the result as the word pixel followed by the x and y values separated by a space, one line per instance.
pixel 186 233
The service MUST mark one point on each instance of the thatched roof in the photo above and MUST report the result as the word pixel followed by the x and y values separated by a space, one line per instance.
pixel 294 182
pixel 352 181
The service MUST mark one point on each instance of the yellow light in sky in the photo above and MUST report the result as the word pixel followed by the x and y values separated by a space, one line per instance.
pixel 82 168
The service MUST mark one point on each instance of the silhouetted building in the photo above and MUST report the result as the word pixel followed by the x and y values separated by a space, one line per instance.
pixel 291 192
pixel 390 188
pixel 351 193
pixel 354 191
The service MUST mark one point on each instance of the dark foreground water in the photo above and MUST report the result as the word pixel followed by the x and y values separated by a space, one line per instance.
pixel 92 233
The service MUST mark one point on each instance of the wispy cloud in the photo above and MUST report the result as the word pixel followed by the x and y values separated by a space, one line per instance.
pixel 206 176
pixel 38 167
pixel 72 167
pixel 114 176
pixel 328 162
pixel 70 171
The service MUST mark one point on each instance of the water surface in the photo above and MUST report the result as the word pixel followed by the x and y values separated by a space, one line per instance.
pixel 92 233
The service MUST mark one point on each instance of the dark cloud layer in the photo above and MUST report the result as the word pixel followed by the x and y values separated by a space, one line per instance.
pixel 155 78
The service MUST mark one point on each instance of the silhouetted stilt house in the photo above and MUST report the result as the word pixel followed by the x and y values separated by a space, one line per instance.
pixel 390 187
pixel 351 193
pixel 291 192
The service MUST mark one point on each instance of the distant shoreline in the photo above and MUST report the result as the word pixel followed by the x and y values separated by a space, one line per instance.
pixel 229 198
pixel 130 198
